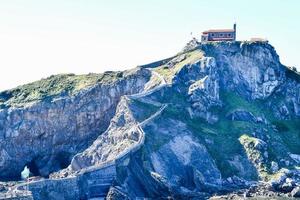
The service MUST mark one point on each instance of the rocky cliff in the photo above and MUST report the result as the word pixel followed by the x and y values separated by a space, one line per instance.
pixel 44 124
pixel 218 118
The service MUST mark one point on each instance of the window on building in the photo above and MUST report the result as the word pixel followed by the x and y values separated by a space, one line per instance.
pixel 221 34
pixel 212 34
pixel 229 35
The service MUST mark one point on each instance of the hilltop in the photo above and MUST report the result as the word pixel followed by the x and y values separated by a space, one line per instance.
pixel 218 118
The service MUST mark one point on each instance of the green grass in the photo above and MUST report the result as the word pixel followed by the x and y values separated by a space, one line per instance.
pixel 234 101
pixel 142 110
pixel 56 85
pixel 169 73
pixel 156 141
pixel 290 134
pixel 288 130
pixel 226 134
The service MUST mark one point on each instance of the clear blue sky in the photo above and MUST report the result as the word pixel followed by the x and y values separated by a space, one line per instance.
pixel 39 38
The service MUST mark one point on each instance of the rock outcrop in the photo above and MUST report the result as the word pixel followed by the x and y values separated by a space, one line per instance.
pixel 215 119
pixel 46 133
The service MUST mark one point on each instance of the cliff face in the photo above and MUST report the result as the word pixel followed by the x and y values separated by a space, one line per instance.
pixel 231 118
pixel 216 118
pixel 46 132
pixel 254 71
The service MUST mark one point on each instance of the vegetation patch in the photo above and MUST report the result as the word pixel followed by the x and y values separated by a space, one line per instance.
pixel 232 101
pixel 280 126
pixel 255 151
pixel 53 86
pixel 289 132
pixel 169 69
pixel 142 110
pixel 224 136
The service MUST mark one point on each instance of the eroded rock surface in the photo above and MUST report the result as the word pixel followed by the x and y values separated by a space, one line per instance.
pixel 215 119
pixel 47 133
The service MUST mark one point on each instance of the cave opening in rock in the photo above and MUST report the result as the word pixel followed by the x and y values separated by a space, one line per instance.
pixel 63 159
pixel 33 168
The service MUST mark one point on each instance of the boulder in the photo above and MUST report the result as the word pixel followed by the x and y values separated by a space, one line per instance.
pixel 296 192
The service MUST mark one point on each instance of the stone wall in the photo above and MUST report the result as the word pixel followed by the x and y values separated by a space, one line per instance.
pixel 88 184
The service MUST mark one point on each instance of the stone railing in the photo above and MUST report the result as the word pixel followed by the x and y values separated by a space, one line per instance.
pixel 17 195
pixel 79 183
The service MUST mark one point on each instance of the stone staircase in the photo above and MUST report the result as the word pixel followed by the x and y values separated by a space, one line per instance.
pixel 94 181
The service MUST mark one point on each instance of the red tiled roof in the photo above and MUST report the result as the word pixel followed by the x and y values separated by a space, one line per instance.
pixel 218 30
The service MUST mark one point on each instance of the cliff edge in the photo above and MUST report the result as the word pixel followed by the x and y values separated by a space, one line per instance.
pixel 218 118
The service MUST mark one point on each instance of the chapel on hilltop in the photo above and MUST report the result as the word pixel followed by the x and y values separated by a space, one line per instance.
pixel 219 35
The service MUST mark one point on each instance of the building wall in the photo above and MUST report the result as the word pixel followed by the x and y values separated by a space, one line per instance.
pixel 218 36
pixel 221 35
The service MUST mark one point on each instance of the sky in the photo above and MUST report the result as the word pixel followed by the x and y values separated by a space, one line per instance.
pixel 39 38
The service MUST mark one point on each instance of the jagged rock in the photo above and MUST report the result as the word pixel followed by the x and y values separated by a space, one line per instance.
pixel 218 117
pixel 116 194
pixel 258 76
pixel 120 135
pixel 185 153
pixel 47 134
pixel 204 92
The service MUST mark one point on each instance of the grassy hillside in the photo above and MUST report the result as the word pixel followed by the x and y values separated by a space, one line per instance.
pixel 169 69
pixel 56 85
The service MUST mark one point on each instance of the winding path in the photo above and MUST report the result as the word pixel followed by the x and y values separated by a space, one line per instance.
pixel 99 178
